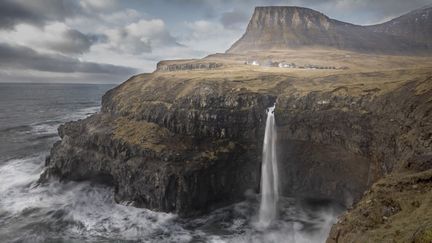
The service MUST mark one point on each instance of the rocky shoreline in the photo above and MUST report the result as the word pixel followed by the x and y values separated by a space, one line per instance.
pixel 193 153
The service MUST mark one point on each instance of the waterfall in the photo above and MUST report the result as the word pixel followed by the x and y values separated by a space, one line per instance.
pixel 269 173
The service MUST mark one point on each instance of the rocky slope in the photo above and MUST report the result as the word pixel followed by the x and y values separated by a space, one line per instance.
pixel 296 27
pixel 415 26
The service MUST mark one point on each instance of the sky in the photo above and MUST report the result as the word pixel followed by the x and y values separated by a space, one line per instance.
pixel 107 41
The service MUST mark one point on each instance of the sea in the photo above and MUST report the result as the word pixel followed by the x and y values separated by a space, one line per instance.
pixel 86 212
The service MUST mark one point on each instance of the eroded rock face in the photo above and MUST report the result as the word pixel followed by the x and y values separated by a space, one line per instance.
pixel 377 135
pixel 199 153
pixel 189 147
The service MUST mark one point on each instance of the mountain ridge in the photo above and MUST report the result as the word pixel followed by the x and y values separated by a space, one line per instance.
pixel 287 27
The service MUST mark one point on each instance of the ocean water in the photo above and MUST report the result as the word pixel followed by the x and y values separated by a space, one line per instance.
pixel 86 212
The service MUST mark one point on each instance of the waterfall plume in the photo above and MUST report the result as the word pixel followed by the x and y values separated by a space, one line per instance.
pixel 269 173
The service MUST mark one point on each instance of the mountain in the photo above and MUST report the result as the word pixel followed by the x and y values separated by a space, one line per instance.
pixel 295 27
pixel 415 26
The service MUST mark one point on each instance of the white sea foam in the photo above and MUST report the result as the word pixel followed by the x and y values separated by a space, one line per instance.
pixel 82 113
pixel 50 126
pixel 91 213
pixel 82 211
pixel 45 129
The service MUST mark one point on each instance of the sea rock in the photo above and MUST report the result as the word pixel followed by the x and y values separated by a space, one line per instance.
pixel 200 153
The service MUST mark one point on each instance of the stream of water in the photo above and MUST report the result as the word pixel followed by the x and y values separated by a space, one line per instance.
pixel 269 173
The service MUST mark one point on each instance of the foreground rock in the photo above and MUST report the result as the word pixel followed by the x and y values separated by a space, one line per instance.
pixel 186 158
pixel 191 142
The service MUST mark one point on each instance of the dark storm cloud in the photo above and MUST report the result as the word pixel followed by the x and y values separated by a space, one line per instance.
pixel 19 57
pixel 37 12
pixel 73 42
pixel 12 13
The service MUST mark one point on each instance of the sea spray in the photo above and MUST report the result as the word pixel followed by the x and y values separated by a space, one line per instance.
pixel 269 173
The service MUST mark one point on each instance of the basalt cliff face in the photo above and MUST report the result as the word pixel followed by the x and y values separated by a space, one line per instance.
pixel 187 138
pixel 185 146
pixel 296 27
pixel 176 154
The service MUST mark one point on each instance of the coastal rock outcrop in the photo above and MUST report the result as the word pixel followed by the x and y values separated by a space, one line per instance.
pixel 186 157
pixel 187 146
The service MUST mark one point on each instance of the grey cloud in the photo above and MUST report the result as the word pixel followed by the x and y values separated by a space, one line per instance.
pixel 19 57
pixel 37 12
pixel 233 19
pixel 97 38
pixel 12 13
pixel 74 42
pixel 141 37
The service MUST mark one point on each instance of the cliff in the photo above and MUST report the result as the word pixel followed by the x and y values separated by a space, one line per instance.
pixel 296 27
pixel 190 141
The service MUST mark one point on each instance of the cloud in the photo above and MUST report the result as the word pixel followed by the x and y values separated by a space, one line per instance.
pixel 234 19
pixel 41 12
pixel 204 29
pixel 203 34
pixel 20 57
pixel 98 5
pixel 139 37
pixel 54 37
pixel 73 41
pixel 37 12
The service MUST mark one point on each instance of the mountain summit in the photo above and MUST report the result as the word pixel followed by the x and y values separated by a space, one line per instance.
pixel 295 27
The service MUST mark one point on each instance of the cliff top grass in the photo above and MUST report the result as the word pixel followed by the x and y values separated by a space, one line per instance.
pixel 146 135
pixel 366 74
